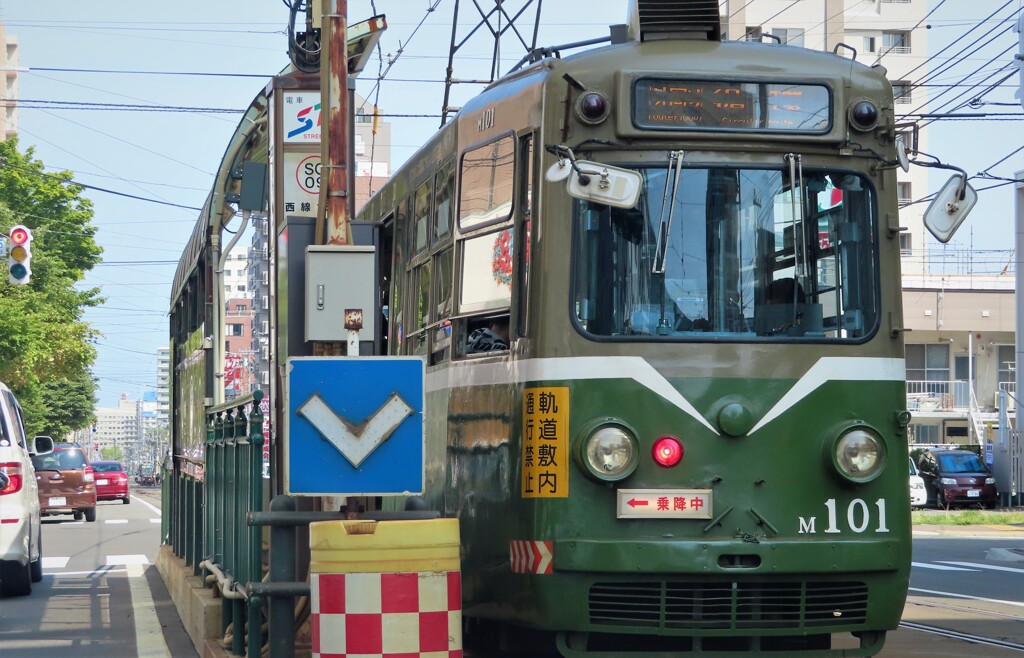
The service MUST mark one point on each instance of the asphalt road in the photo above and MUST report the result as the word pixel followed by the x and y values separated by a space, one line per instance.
pixel 101 595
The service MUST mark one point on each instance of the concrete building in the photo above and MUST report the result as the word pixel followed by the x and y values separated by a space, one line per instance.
pixel 8 84
pixel 163 385
pixel 120 427
pixel 960 353
pixel 238 354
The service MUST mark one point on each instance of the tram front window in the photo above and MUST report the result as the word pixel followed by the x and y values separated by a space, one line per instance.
pixel 728 253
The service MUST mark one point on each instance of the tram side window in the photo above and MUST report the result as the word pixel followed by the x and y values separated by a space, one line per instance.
pixel 442 326
pixel 416 341
pixel 421 216
pixel 444 193
pixel 487 183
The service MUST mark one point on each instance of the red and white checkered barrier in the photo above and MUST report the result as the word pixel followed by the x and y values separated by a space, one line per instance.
pixel 387 615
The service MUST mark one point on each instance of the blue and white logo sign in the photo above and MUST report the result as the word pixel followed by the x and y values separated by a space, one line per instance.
pixel 354 426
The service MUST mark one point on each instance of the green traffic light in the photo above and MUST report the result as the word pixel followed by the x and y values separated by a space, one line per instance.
pixel 18 271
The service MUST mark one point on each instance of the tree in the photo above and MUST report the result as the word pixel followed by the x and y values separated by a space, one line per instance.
pixel 46 348
pixel 112 454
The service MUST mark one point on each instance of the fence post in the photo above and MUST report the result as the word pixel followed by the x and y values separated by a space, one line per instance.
pixel 282 570
pixel 254 573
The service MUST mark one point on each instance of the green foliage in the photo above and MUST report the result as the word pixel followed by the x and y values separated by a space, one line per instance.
pixel 112 454
pixel 46 349
pixel 968 517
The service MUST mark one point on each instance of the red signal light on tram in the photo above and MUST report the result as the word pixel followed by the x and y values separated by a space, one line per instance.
pixel 667 451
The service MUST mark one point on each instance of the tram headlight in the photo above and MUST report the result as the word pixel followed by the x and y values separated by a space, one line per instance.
pixel 610 453
pixel 859 455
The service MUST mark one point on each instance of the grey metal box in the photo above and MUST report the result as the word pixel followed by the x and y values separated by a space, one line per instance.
pixel 339 279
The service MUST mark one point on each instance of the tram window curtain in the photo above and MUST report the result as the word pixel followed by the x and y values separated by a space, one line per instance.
pixel 486 272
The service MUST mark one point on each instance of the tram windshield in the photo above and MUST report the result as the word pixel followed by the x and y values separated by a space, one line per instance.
pixel 734 254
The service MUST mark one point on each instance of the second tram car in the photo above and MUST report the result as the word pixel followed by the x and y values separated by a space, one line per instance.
pixel 685 428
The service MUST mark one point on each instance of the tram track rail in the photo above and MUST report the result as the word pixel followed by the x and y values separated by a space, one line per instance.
pixel 963 608
pixel 959 635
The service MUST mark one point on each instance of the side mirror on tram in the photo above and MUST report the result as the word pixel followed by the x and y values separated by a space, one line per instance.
pixel 950 207
pixel 601 183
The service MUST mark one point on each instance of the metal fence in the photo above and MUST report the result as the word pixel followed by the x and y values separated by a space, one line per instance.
pixel 205 509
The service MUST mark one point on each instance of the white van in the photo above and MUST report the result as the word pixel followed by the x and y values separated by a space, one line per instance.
pixel 21 537
pixel 918 494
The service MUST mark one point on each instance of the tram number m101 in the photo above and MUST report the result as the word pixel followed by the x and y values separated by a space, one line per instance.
pixel 859 518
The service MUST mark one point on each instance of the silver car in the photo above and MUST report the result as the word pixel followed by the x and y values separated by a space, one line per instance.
pixel 21 548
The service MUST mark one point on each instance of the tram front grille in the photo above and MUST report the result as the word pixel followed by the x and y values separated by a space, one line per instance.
pixel 728 605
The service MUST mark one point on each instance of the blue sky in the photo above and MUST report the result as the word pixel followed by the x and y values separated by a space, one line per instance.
pixel 171 156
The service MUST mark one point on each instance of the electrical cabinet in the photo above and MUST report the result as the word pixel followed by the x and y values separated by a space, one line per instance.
pixel 340 280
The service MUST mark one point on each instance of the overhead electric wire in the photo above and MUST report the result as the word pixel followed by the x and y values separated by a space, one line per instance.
pixel 35 103
pixel 402 47
pixel 979 47
pixel 33 69
pixel 958 39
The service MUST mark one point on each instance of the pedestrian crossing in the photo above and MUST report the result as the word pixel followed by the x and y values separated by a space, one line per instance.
pixel 55 563
pixel 953 565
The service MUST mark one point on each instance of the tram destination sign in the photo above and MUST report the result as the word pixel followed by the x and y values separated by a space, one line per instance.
pixel 664 104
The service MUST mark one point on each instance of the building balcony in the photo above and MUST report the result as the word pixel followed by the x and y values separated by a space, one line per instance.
pixel 938 399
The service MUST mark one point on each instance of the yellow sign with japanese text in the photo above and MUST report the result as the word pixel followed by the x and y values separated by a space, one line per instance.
pixel 546 442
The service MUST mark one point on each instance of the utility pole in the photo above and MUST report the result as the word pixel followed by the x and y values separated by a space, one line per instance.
pixel 334 138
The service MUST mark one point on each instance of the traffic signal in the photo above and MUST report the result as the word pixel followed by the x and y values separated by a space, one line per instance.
pixel 19 258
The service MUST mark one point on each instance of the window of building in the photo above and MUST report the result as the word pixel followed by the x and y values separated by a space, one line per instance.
pixel 241 307
pixel 901 92
pixel 903 191
pixel 906 244
pixel 235 329
pixel 896 41
pixel 928 363
pixel 924 433
pixel 869 44
pixel 753 33
pixel 790 36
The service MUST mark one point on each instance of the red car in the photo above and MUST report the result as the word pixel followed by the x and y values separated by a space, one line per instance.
pixel 111 482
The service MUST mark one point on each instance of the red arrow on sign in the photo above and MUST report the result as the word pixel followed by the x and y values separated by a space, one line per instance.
pixel 633 502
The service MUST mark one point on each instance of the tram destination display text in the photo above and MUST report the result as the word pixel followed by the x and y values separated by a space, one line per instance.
pixel 720 105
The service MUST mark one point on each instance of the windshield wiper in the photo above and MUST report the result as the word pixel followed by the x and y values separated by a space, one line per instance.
pixel 672 177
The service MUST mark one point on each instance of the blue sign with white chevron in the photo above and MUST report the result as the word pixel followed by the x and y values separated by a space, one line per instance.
pixel 354 426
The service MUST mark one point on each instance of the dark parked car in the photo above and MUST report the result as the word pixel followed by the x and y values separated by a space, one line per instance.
pixel 957 477
pixel 111 481
pixel 66 482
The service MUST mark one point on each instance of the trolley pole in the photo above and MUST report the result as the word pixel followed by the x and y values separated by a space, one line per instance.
pixel 334 136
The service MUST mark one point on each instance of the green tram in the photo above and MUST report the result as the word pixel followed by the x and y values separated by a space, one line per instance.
pixel 693 437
